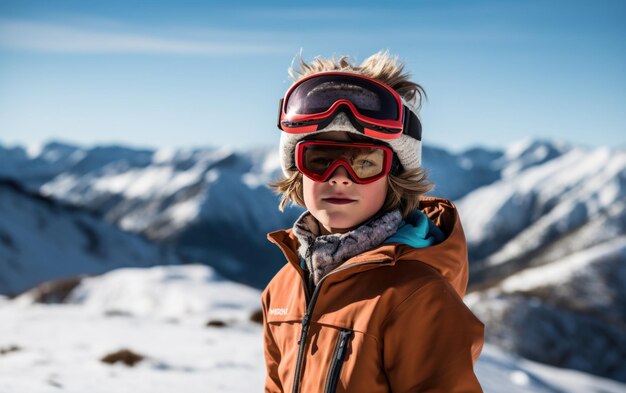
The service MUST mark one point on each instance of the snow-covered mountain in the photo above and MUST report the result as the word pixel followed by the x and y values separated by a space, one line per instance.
pixel 207 202
pixel 41 239
pixel 156 192
pixel 457 174
pixel 539 211
pixel 546 212
pixel 568 313
pixel 183 328
pixel 548 247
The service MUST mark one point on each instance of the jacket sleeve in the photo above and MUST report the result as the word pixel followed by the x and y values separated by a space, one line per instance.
pixel 431 341
pixel 272 355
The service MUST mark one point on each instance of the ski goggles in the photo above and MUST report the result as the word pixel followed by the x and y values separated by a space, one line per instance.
pixel 374 109
pixel 364 162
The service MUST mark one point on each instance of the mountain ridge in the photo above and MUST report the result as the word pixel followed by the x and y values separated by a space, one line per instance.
pixel 527 210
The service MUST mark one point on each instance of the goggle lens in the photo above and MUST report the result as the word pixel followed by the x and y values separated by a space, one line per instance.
pixel 319 94
pixel 364 162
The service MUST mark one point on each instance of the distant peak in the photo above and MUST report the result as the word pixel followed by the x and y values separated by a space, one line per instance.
pixel 531 146
pixel 51 150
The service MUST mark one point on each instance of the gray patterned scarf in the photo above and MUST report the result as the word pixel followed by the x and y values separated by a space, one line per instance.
pixel 323 253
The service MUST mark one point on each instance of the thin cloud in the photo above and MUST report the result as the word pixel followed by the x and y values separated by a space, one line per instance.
pixel 49 37
pixel 308 14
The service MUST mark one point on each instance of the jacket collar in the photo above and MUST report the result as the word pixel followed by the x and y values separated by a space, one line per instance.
pixel 449 257
pixel 324 253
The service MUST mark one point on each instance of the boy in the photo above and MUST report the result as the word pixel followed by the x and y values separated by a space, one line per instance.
pixel 370 299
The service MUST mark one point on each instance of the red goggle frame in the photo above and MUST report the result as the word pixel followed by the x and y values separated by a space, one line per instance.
pixel 364 162
pixel 374 108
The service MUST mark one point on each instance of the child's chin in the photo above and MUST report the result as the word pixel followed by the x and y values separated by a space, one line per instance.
pixel 340 226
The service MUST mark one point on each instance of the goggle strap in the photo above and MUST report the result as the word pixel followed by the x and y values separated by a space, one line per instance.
pixel 280 112
pixel 412 124
pixel 396 165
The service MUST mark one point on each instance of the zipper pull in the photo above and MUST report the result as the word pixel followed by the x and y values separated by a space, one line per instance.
pixel 305 326
pixel 344 335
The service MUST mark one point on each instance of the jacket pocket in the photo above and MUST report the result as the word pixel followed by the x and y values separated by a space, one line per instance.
pixel 337 362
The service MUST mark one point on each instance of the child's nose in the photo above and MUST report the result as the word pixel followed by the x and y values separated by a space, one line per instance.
pixel 340 175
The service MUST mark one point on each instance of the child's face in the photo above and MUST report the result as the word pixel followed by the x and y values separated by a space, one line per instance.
pixel 340 204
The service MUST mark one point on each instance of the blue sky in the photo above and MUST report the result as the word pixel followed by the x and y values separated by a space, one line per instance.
pixel 186 74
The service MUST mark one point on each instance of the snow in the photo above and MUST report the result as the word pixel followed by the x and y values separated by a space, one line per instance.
pixel 527 153
pixel 148 182
pixel 179 214
pixel 161 313
pixel 162 292
pixel 500 372
pixel 34 150
pixel 253 180
pixel 521 213
pixel 62 346
pixel 169 154
pixel 212 176
pixel 43 240
pixel 559 272
pixel 271 163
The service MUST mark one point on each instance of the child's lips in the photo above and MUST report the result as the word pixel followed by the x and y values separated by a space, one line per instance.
pixel 338 200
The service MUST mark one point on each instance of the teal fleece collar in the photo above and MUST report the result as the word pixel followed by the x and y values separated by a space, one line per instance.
pixel 417 231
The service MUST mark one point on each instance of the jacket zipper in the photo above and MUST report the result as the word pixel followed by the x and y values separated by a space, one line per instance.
pixel 305 284
pixel 303 337
pixel 306 320
pixel 337 363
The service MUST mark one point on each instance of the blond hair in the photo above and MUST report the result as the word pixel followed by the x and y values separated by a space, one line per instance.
pixel 404 189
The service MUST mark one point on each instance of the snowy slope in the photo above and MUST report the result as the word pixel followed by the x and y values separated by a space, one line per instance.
pixel 548 211
pixel 204 201
pixel 548 245
pixel 161 314
pixel 529 153
pixel 41 240
pixel 457 174
pixel 35 165
pixel 568 313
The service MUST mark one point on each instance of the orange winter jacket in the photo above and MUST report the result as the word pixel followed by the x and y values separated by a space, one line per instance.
pixel 387 320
